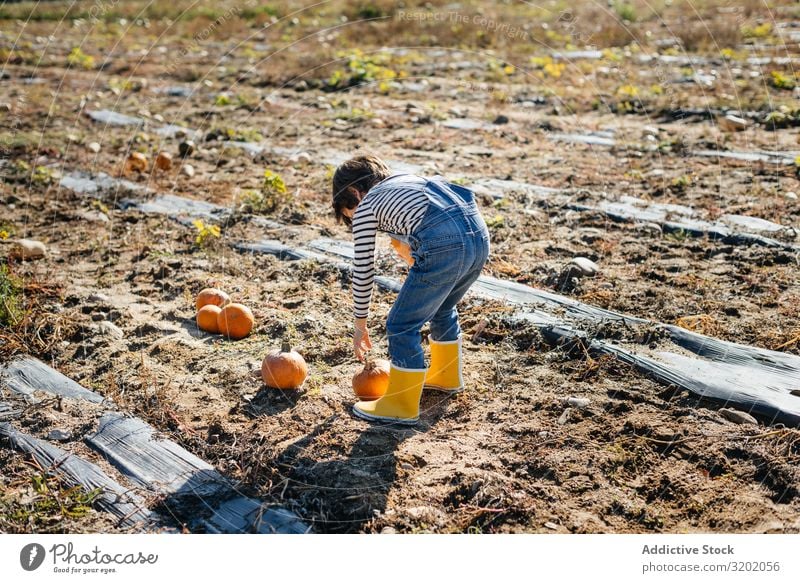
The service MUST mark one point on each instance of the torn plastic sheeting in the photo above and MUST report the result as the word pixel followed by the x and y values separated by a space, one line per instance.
pixel 177 206
pixel 727 383
pixel 770 361
pixel 85 183
pixel 161 465
pixel 172 130
pixel 498 188
pixel 114 498
pixel 336 157
pixel 113 118
pixel 627 211
pixel 783 158
pixel 589 139
pixel 8 412
pixel 752 223
pixel 467 124
pixel 26 375
pixel 246 515
pixel 272 247
pixel 281 251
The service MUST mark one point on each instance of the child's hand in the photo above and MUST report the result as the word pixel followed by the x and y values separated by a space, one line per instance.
pixel 403 250
pixel 361 341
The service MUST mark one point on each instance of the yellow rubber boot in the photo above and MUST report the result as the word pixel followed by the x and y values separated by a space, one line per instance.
pixel 400 404
pixel 445 372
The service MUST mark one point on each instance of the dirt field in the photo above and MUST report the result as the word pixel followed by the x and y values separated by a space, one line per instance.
pixel 472 92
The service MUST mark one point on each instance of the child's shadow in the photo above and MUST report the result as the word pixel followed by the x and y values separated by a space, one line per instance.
pixel 346 488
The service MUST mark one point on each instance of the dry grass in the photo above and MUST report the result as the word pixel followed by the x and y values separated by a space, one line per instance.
pixel 701 323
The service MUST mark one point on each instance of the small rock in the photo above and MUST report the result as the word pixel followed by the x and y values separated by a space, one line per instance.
pixel 564 416
pixel 544 434
pixel 501 119
pixel 650 131
pixel 99 298
pixel 740 417
pixel 187 170
pixel 303 158
pixel 93 147
pixel 59 435
pixel 159 118
pixel 301 85
pixel 791 195
pixel 25 249
pixel 551 525
pixel 107 328
pixel 377 122
pixel 426 514
pixel 163 161
pixel 650 228
pixel 732 123
pixel 585 266
pixel 186 148
pixel 93 216
pixel 388 530
pixel 72 138
pixel 578 402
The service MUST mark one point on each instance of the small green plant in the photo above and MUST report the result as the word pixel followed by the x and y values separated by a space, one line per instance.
pixel 206 234
pixel 625 11
pixel 273 195
pixel 11 306
pixel 760 31
pixel 628 91
pixel 363 68
pixel 548 67
pixel 222 100
pixel 797 167
pixel 273 183
pixel 77 58
pixel 681 183
pixel 782 81
pixel 679 236
pixel 42 176
pixel 45 510
pixel 495 222
pixel 356 114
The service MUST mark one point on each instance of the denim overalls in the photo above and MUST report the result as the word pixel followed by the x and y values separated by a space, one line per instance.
pixel 450 247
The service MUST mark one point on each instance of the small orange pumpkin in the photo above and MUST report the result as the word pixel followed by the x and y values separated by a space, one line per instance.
pixel 284 368
pixel 213 296
pixel 403 250
pixel 235 321
pixel 163 161
pixel 207 318
pixel 136 162
pixel 371 382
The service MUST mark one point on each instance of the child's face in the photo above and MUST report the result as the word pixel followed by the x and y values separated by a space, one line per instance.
pixel 348 213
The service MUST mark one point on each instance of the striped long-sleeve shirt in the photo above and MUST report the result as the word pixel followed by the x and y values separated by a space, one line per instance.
pixel 396 206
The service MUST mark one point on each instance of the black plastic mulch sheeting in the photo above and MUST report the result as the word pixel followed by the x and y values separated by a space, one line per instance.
pixel 26 375
pixel 129 508
pixel 163 466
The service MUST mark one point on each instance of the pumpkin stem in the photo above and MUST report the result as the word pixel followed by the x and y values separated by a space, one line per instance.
pixel 285 346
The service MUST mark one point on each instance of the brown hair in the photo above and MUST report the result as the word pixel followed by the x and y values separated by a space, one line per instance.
pixel 352 180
